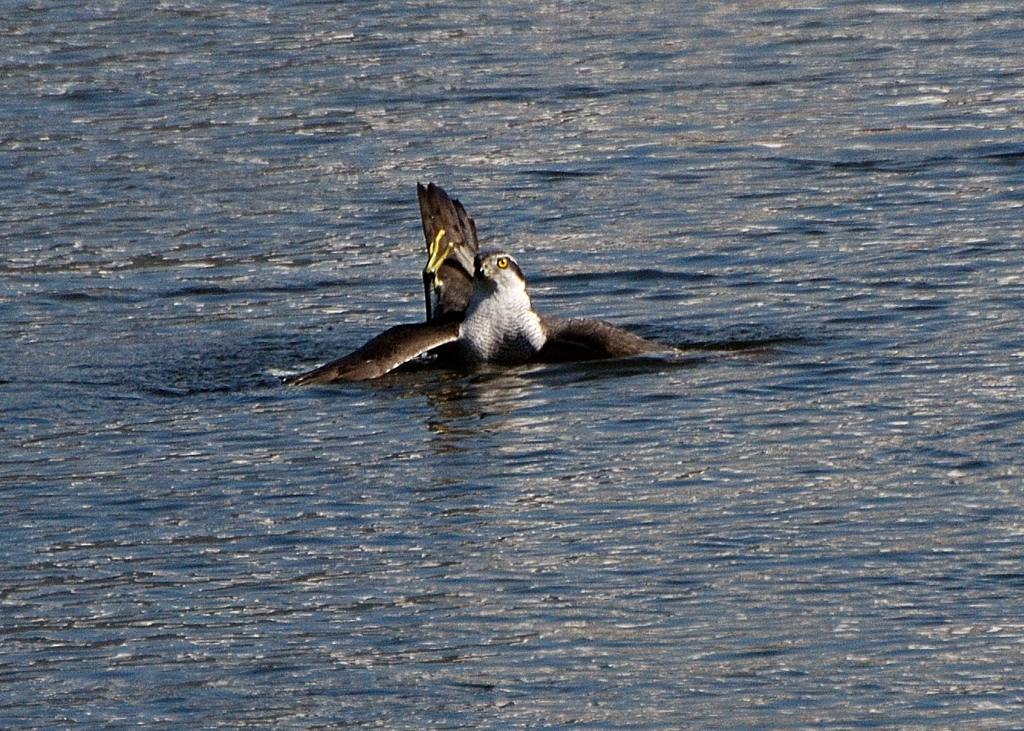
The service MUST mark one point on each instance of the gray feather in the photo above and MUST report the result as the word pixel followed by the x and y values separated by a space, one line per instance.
pixel 583 338
pixel 384 353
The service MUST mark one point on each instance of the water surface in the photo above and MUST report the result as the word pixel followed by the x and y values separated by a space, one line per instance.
pixel 810 518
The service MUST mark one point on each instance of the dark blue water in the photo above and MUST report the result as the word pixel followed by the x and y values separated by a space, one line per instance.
pixel 813 517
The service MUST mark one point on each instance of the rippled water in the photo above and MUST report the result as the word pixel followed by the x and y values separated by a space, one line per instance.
pixel 811 518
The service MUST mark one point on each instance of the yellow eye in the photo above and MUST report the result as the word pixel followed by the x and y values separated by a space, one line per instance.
pixel 502 262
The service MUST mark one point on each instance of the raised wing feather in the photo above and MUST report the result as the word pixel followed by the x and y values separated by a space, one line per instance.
pixel 449 285
pixel 387 351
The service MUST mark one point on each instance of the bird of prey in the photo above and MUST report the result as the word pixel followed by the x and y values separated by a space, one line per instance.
pixel 478 311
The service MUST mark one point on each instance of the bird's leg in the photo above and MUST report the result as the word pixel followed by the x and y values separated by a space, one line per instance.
pixel 435 258
pixel 435 254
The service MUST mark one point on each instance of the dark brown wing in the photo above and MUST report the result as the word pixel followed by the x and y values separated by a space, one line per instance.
pixel 583 338
pixel 387 351
pixel 449 284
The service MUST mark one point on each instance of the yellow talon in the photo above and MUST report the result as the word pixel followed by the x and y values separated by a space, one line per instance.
pixel 435 255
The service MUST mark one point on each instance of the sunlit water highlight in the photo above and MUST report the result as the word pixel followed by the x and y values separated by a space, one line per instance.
pixel 809 518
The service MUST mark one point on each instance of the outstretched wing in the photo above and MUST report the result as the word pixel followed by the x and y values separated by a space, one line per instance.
pixel 451 248
pixel 387 351
pixel 584 338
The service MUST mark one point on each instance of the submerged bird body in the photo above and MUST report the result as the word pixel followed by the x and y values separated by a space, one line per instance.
pixel 480 316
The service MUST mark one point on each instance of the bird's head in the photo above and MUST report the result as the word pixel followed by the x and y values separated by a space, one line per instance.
pixel 496 271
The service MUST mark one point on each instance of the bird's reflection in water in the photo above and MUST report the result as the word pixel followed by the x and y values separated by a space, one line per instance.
pixel 473 410
pixel 487 401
